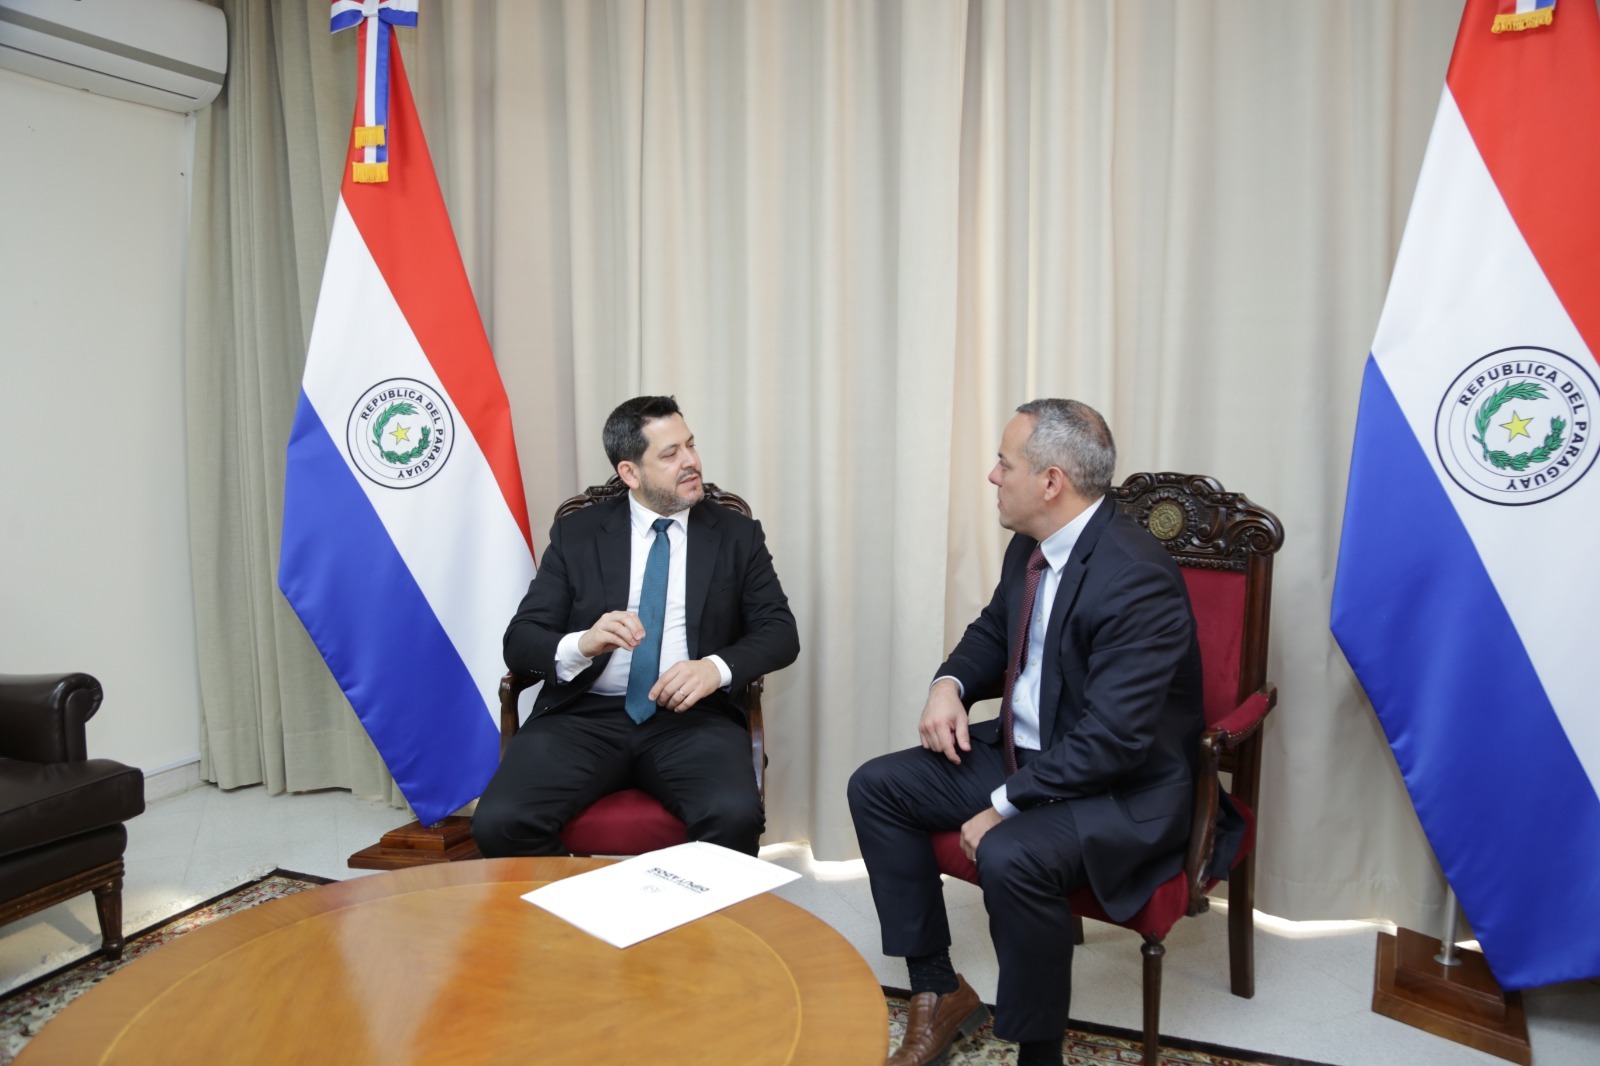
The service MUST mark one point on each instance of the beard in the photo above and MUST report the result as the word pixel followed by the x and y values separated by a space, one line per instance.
pixel 665 500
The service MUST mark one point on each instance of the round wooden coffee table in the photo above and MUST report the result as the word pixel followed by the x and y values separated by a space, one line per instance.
pixel 446 964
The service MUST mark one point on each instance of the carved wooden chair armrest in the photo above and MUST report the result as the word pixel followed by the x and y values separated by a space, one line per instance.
pixel 1236 728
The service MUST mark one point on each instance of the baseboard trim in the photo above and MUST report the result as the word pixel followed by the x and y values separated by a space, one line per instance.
pixel 172 779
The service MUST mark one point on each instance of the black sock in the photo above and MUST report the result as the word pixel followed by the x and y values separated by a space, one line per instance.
pixel 1040 1052
pixel 932 973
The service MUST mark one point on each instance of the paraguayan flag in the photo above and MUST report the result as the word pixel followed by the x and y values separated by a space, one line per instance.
pixel 406 545
pixel 1468 587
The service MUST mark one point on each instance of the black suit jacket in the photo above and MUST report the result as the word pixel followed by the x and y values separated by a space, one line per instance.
pixel 734 606
pixel 1120 702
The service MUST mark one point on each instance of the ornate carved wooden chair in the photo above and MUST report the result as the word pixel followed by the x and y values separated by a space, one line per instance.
pixel 1225 545
pixel 631 821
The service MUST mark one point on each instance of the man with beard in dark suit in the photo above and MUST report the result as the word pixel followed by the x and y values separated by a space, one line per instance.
pixel 1086 779
pixel 647 614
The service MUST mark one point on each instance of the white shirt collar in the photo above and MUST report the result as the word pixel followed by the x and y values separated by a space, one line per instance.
pixel 642 518
pixel 1057 547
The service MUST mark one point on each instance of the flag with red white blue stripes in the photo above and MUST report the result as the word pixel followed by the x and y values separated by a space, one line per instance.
pixel 406 545
pixel 1468 587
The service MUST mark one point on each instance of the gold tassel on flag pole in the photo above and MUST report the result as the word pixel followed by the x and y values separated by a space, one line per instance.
pixel 1526 21
pixel 369 137
pixel 1509 20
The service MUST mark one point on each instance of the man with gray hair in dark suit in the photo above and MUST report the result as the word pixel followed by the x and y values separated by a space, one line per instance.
pixel 1085 779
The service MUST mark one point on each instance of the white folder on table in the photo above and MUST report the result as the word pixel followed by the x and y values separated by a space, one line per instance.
pixel 644 896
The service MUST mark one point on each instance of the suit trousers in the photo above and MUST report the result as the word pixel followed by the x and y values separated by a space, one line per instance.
pixel 1027 865
pixel 695 762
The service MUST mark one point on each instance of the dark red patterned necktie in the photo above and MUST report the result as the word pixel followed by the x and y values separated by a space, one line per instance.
pixel 1030 587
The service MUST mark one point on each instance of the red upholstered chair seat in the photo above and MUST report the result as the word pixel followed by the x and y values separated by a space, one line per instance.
pixel 629 822
pixel 1156 918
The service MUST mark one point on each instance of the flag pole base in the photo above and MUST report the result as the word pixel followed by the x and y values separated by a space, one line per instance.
pixel 415 844
pixel 1462 1003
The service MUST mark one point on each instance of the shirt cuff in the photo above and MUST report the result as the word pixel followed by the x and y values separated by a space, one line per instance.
pixel 722 670
pixel 960 688
pixel 570 662
pixel 1002 804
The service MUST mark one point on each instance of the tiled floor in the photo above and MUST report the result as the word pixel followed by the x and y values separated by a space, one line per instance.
pixel 1313 980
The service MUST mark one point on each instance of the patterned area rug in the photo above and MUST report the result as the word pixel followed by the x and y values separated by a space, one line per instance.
pixel 24 1010
pixel 1086 1045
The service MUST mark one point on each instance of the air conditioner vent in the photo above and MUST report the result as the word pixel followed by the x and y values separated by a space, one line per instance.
pixel 168 53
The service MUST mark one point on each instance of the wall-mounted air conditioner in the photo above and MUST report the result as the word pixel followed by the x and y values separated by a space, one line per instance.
pixel 169 53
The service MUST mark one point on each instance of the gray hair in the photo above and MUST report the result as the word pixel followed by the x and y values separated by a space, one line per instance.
pixel 1072 436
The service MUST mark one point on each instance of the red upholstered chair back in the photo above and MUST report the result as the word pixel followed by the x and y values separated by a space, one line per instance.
pixel 1218 600
pixel 630 822
pixel 1225 544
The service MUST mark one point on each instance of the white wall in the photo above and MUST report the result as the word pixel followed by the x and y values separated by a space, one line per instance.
pixel 94 536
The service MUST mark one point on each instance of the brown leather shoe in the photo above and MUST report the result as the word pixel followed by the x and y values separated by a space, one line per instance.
pixel 938 1021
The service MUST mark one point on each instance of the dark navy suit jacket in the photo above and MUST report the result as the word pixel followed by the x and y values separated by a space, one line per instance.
pixel 734 606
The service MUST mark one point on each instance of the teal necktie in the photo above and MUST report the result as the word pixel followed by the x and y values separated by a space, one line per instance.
pixel 646 664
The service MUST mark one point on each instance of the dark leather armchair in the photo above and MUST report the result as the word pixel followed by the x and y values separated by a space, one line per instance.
pixel 1224 544
pixel 61 812
pixel 630 822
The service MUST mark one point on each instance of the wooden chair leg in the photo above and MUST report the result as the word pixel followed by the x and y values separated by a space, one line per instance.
pixel 1153 950
pixel 1242 928
pixel 108 905
pixel 1077 929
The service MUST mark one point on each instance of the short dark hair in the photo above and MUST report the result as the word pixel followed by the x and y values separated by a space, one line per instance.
pixel 1071 435
pixel 623 434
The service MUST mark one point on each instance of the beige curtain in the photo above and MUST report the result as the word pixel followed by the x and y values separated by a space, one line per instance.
pixel 267 158
pixel 851 237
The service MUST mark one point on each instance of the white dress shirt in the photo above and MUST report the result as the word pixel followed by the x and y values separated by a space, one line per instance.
pixel 613 680
pixel 1057 548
